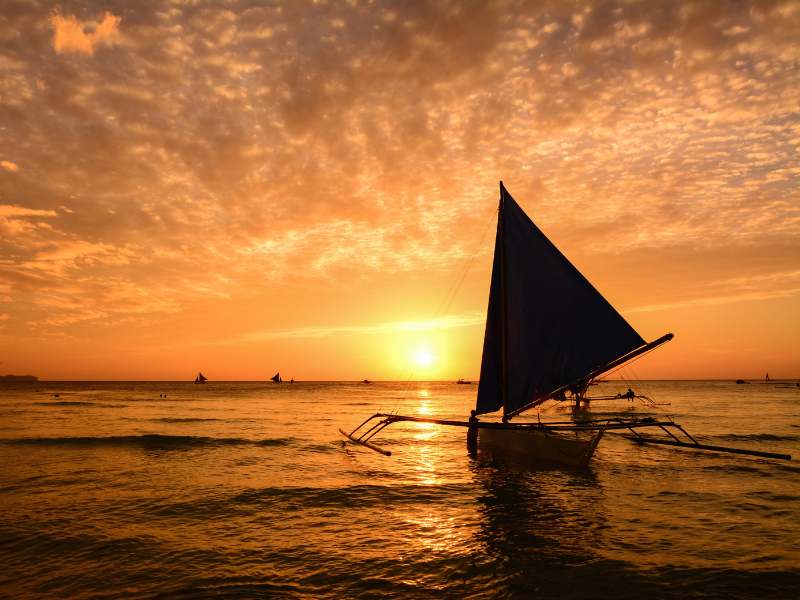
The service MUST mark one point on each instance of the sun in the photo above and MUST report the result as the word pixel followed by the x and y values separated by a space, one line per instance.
pixel 423 357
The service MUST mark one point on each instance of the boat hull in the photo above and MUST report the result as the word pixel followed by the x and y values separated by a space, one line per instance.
pixel 531 445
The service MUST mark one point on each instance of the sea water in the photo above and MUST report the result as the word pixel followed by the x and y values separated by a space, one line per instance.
pixel 247 489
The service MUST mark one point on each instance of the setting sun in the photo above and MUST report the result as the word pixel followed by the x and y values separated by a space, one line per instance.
pixel 423 357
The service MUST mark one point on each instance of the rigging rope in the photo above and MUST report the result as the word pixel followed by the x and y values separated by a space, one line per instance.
pixel 455 287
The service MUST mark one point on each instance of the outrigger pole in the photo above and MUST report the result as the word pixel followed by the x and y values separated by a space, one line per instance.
pixel 592 374
pixel 383 420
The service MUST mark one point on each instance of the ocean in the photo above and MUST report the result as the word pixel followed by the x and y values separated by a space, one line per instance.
pixel 175 490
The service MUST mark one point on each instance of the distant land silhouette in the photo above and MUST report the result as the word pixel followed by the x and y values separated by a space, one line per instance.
pixel 18 378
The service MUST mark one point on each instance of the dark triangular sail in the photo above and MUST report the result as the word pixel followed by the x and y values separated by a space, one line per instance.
pixel 277 378
pixel 200 378
pixel 546 325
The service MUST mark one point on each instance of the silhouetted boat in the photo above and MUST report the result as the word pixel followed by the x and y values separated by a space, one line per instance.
pixel 463 382
pixel 276 378
pixel 366 381
pixel 18 378
pixel 549 333
pixel 200 378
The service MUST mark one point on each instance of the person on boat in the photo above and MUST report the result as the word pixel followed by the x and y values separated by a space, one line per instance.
pixel 472 432
pixel 630 395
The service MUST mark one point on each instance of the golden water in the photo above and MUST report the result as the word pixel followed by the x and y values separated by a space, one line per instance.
pixel 247 489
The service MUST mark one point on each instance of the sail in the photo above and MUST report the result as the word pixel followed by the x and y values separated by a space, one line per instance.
pixel 277 377
pixel 200 378
pixel 546 325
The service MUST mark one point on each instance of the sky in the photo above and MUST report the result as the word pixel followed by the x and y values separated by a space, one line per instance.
pixel 245 187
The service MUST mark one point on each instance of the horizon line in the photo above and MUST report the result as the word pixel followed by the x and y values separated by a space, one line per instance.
pixel 470 381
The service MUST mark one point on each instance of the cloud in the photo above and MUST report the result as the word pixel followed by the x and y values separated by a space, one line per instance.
pixel 765 286
pixel 716 300
pixel 426 325
pixel 9 166
pixel 72 35
pixel 11 211
pixel 337 142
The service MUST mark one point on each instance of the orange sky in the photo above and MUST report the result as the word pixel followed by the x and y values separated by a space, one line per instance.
pixel 301 188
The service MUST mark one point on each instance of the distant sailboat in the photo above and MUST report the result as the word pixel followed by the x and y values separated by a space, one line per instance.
pixel 277 378
pixel 200 378
pixel 463 382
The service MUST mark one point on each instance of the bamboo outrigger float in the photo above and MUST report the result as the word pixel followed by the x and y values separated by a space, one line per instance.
pixel 549 333
pixel 376 423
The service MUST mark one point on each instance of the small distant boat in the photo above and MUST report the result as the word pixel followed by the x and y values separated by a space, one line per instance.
pixel 366 381
pixel 741 381
pixel 277 378
pixel 200 378
pixel 463 382
pixel 18 378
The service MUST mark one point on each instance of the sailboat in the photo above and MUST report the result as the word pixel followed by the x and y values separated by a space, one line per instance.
pixel 549 334
pixel 277 378
pixel 200 378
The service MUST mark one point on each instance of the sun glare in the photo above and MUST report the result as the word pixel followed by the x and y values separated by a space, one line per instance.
pixel 423 357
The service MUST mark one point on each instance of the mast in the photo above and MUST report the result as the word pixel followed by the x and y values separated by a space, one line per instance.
pixel 503 308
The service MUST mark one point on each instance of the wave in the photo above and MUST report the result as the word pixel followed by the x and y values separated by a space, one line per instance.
pixel 302 498
pixel 329 447
pixel 80 403
pixel 64 403
pixel 351 496
pixel 764 437
pixel 151 441
pixel 274 442
pixel 183 420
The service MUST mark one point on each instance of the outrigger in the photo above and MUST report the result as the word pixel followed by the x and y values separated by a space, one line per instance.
pixel 549 334
pixel 373 425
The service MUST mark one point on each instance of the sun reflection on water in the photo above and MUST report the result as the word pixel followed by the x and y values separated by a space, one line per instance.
pixel 427 472
pixel 438 531
pixel 425 431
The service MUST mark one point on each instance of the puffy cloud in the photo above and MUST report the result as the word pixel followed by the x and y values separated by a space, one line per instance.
pixel 346 141
pixel 72 35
